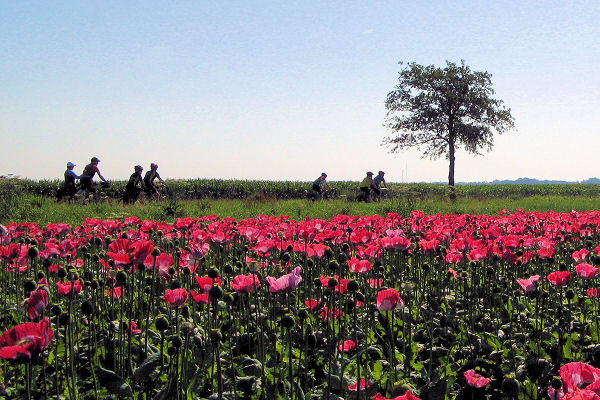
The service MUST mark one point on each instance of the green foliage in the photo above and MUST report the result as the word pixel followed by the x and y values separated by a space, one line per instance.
pixel 439 110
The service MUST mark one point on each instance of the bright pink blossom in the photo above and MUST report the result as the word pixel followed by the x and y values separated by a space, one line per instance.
pixel 559 278
pixel 389 299
pixel 475 380
pixel 585 270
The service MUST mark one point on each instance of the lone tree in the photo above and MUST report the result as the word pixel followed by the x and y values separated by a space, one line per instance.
pixel 438 110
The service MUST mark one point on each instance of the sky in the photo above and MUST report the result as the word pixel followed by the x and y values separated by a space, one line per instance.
pixel 285 90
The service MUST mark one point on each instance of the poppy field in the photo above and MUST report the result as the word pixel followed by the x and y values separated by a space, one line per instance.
pixel 443 306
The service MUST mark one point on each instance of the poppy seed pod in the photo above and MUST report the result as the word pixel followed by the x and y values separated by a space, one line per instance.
pixel 285 257
pixel 215 336
pixel 185 311
pixel 29 285
pixel 341 257
pixel 333 266
pixel 175 285
pixel 156 252
pixel 215 292
pixel 287 321
pixel 332 283
pixel 213 273
pixel 121 277
pixel 176 342
pixel 570 294
pixel 33 252
pixel 353 286
pixel 557 383
pixel 228 269
pixel 302 314
pixel 161 322
pixel 64 319
pixel 171 351
pixel 62 273
pixel 310 263
pixel 317 282
pixel 41 275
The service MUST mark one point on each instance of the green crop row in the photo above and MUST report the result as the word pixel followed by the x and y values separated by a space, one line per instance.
pixel 191 189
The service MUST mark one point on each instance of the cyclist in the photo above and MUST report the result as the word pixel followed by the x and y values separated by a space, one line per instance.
pixel 317 186
pixel 68 188
pixel 86 182
pixel 365 188
pixel 150 186
pixel 134 186
pixel 378 182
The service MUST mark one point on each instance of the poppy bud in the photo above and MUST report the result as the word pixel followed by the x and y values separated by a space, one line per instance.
pixel 97 241
pixel 62 273
pixel 213 273
pixel 311 340
pixel 171 351
pixel 333 266
pixel 328 253
pixel 332 283
pixel 570 294
pixel 302 314
pixel 156 252
pixel 55 310
pixel 310 263
pixel 285 257
pixel 228 269
pixel 95 258
pixel 228 298
pixel 341 257
pixel 175 285
pixel 40 275
pixel 141 267
pixel 317 282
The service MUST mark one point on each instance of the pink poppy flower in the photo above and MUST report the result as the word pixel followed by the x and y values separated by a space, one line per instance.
pixel 68 288
pixel 285 283
pixel 359 266
pixel 245 283
pixel 575 376
pixel 474 379
pixel 406 396
pixel 388 300
pixel 580 255
pixel 37 302
pixel 585 270
pixel 593 293
pixel 529 284
pixel 176 297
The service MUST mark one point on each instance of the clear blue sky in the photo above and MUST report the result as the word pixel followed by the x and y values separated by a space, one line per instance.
pixel 286 89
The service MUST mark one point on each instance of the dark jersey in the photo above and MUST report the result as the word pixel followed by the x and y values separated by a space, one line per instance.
pixel 89 171
pixel 150 177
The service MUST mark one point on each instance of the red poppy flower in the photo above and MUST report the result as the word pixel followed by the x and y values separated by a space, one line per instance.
pixel 585 270
pixel 115 292
pixel 593 293
pixel 245 283
pixel 176 297
pixel 559 278
pixel 69 287
pixel 312 304
pixel 206 283
pixel 330 313
pixel 406 396
pixel 200 297
pixel 133 329
pixel 453 257
pixel 37 302
pixel 388 300
pixel 26 341
pixel 359 266
pixel 364 384
pixel 347 346
pixel 375 283
pixel 475 380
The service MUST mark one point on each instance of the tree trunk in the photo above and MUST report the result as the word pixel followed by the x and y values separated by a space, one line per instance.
pixel 451 159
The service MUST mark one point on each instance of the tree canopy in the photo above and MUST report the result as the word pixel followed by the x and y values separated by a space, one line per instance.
pixel 439 110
